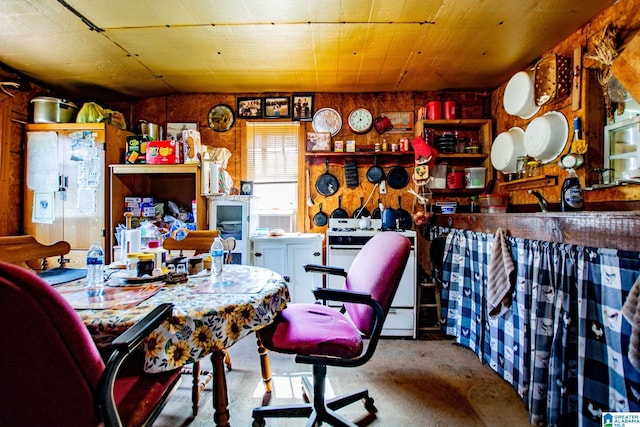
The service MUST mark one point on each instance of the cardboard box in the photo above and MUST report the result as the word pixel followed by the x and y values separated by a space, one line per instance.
pixel 351 146
pixel 338 146
pixel 162 153
pixel 192 146
pixel 133 199
pixel 136 149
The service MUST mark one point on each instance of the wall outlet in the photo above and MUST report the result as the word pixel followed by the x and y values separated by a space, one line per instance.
pixel 383 187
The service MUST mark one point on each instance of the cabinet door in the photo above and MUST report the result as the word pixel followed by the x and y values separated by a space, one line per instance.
pixel 270 256
pixel 83 190
pixel 302 283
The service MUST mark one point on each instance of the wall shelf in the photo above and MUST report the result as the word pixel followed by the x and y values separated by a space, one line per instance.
pixel 530 183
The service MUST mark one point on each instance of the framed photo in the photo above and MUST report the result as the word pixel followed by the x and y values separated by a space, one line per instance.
pixel 246 188
pixel 174 130
pixel 249 108
pixel 303 107
pixel 277 107
pixel 402 121
pixel 318 141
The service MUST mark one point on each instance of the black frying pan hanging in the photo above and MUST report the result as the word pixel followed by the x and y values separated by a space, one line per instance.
pixel 375 174
pixel 320 218
pixel 398 177
pixel 403 218
pixel 377 213
pixel 339 212
pixel 361 211
pixel 327 184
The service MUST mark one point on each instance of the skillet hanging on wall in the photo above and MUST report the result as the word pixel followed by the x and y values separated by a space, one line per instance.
pixel 327 184
pixel 320 218
pixel 398 177
pixel 362 211
pixel 339 212
pixel 375 174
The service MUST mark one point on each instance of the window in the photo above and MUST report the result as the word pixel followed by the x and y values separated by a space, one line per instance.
pixel 272 165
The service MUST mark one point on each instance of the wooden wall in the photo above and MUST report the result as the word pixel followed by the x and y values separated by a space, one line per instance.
pixel 194 108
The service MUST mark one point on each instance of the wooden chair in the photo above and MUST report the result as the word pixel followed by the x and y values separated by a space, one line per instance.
pixel 23 250
pixel 26 252
pixel 198 242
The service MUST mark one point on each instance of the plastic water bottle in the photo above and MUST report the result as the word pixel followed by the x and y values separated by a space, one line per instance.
pixel 95 267
pixel 217 255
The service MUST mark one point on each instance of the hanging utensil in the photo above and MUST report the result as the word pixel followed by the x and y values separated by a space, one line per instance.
pixel 404 220
pixel 310 201
pixel 398 177
pixel 339 212
pixel 351 173
pixel 320 218
pixel 377 212
pixel 362 211
pixel 375 174
pixel 327 184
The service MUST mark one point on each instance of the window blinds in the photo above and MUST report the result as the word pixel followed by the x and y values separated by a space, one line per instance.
pixel 272 152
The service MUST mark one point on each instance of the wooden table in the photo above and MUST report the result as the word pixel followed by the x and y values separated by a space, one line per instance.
pixel 208 317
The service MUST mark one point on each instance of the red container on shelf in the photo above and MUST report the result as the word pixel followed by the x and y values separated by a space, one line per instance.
pixel 450 110
pixel 434 110
pixel 455 180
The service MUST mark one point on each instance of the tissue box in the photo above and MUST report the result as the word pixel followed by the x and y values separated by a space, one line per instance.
pixel 162 153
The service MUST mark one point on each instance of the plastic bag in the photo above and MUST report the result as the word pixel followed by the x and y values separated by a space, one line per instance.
pixel 90 113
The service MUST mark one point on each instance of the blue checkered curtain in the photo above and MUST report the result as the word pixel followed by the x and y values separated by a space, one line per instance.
pixel 609 383
pixel 463 278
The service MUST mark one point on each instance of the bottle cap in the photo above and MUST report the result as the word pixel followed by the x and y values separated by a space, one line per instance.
pixel 153 244
pixel 146 257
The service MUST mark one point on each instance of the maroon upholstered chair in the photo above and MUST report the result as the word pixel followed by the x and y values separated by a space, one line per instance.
pixel 321 335
pixel 51 372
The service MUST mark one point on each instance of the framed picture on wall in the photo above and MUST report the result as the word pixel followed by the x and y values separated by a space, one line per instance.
pixel 249 108
pixel 302 107
pixel 174 130
pixel 318 141
pixel 402 121
pixel 277 107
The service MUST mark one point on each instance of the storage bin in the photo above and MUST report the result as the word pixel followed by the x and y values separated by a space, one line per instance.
pixel 475 177
pixel 53 110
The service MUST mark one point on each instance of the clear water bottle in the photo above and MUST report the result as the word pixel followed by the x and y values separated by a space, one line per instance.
pixel 217 255
pixel 95 267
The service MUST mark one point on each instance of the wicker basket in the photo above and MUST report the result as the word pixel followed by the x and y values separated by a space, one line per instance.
pixel 552 79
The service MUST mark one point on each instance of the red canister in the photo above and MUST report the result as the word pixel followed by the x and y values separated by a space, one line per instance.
pixel 450 110
pixel 434 110
pixel 455 180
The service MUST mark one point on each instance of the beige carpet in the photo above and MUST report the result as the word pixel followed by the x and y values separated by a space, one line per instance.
pixel 414 383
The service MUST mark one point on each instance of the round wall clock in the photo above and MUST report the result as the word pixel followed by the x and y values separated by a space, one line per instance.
pixel 221 118
pixel 360 120
pixel 327 120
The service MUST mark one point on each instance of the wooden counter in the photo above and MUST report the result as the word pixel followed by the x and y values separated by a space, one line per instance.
pixel 602 229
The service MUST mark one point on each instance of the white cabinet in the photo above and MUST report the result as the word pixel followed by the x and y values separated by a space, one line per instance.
pixel 231 215
pixel 287 255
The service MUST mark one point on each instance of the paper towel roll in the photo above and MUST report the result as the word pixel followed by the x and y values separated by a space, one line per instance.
pixel 130 243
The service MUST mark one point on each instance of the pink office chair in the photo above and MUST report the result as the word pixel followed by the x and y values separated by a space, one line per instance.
pixel 52 373
pixel 320 335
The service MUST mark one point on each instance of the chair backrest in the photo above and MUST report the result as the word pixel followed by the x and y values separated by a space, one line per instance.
pixel 198 241
pixel 50 366
pixel 20 250
pixel 377 270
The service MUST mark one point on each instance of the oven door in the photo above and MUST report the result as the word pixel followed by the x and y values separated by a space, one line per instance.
pixel 343 255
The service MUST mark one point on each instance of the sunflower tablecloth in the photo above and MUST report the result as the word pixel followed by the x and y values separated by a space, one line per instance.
pixel 208 315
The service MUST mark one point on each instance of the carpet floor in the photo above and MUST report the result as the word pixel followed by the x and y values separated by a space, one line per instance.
pixel 419 383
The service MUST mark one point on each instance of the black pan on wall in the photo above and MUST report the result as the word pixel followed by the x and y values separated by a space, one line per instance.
pixel 327 184
pixel 398 177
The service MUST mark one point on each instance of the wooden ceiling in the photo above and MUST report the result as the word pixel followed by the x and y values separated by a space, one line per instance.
pixel 122 49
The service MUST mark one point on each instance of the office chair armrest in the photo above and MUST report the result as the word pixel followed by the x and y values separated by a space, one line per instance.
pixel 342 295
pixel 123 346
pixel 325 269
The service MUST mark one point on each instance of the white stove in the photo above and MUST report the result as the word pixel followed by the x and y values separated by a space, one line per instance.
pixel 344 240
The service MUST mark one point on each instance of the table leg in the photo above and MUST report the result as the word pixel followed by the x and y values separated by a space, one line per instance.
pixel 265 366
pixel 220 393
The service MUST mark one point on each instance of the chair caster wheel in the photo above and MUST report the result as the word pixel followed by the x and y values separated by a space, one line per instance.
pixel 368 405
pixel 258 423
